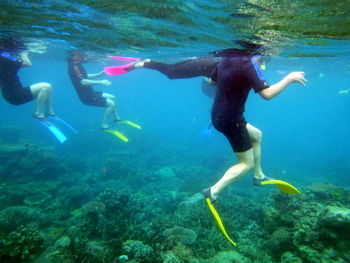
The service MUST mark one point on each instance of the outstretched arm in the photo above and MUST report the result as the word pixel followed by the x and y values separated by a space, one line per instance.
pixel 88 82
pixel 274 90
pixel 91 76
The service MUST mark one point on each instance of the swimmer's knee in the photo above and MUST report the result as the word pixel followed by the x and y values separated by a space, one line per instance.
pixel 109 97
pixel 110 103
pixel 258 136
pixel 45 87
pixel 48 86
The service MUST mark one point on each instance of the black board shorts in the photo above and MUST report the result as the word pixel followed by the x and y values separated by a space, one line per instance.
pixel 236 133
pixel 17 96
pixel 93 98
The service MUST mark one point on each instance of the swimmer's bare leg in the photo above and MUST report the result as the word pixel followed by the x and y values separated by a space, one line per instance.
pixel 245 164
pixel 256 136
pixel 42 93
pixel 48 104
pixel 110 110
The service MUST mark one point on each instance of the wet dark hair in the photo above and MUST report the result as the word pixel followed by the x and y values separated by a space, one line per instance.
pixel 76 56
pixel 252 46
pixel 246 48
pixel 11 44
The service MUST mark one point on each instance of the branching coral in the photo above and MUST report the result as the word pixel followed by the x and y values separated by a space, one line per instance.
pixel 22 244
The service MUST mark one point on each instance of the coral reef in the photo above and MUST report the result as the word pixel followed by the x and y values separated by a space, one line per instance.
pixel 114 209
pixel 180 234
pixel 228 257
pixel 94 207
pixel 22 244
pixel 306 229
pixel 137 251
pixel 12 217
pixel 37 199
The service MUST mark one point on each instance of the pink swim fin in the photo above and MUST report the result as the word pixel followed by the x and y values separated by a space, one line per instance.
pixel 124 58
pixel 117 70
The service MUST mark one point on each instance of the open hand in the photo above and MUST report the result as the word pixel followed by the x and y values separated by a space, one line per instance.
pixel 297 77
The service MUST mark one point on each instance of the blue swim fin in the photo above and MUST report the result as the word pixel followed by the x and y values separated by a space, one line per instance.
pixel 54 130
pixel 53 117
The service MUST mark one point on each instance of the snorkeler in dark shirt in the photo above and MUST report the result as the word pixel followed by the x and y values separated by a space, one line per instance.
pixel 13 56
pixel 235 76
pixel 83 85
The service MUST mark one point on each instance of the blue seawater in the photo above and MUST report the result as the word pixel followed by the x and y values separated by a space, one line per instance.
pixel 96 198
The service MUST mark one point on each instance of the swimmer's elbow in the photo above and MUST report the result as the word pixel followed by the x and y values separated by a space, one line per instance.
pixel 266 94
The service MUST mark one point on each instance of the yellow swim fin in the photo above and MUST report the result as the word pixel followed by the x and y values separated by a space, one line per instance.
pixel 131 124
pixel 283 186
pixel 218 220
pixel 118 134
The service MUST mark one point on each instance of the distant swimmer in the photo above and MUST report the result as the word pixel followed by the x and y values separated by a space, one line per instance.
pixel 236 75
pixel 343 91
pixel 83 85
pixel 13 56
